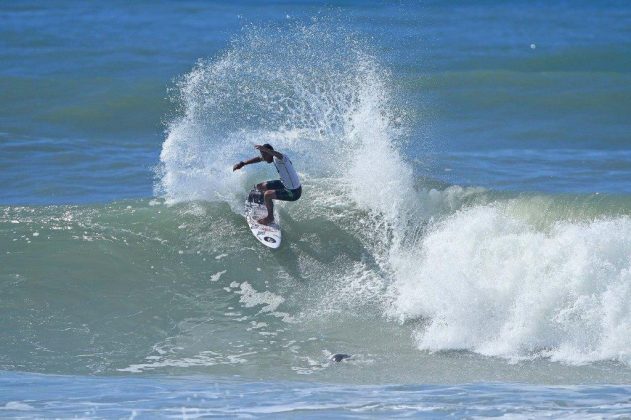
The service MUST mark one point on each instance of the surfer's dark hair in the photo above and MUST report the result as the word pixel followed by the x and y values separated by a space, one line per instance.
pixel 268 146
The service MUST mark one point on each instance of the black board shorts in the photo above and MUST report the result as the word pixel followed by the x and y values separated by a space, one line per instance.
pixel 283 193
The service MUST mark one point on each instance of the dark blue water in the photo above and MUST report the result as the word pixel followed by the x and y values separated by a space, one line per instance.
pixel 85 88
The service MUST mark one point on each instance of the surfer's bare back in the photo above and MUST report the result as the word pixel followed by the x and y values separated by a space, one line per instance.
pixel 287 188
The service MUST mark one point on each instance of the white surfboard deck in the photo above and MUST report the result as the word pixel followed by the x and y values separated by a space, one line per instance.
pixel 268 235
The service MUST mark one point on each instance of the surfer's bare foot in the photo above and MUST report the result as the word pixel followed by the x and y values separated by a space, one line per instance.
pixel 265 220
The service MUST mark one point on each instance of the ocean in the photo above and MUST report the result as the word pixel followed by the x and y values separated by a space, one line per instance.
pixel 464 232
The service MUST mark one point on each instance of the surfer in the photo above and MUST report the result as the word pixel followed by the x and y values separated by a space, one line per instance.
pixel 287 188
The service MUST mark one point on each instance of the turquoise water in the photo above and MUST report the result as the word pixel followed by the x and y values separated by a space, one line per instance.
pixel 463 232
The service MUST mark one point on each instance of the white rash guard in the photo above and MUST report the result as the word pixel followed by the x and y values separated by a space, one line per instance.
pixel 288 175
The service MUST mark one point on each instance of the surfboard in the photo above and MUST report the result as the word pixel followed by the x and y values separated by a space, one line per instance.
pixel 268 235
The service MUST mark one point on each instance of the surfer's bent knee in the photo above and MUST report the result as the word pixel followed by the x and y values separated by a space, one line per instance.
pixel 288 195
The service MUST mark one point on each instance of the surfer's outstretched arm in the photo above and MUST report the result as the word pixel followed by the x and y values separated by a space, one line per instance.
pixel 246 162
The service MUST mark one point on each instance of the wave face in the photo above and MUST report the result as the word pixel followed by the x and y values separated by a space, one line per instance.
pixel 420 281
pixel 139 287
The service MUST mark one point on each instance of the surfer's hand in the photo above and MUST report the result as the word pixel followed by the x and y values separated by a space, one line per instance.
pixel 238 166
